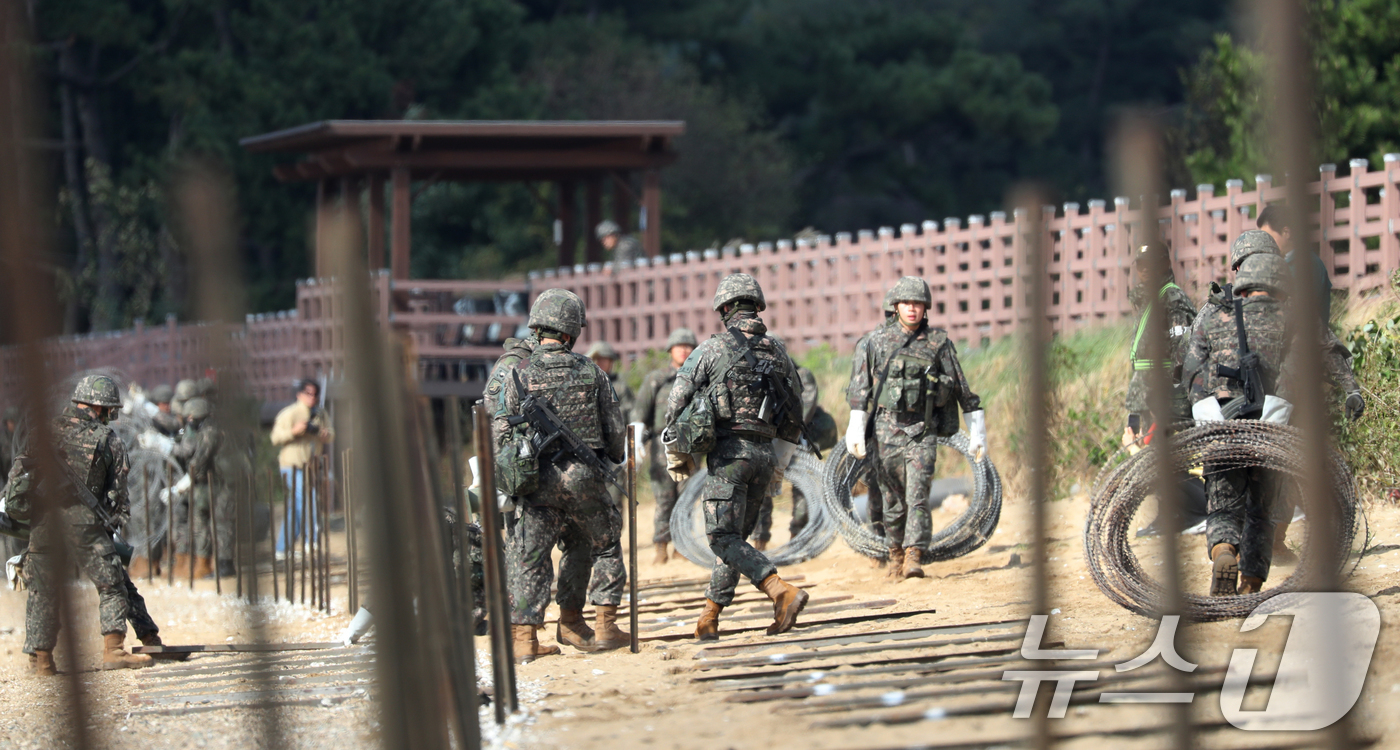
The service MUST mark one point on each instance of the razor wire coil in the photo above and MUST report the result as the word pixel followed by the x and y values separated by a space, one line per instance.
pixel 969 531
pixel 1122 487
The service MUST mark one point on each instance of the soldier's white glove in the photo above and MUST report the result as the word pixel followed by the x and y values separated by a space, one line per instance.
pixel 977 432
pixel 476 473
pixel 1276 410
pixel 639 448
pixel 14 568
pixel 505 502
pixel 1207 410
pixel 680 466
pixel 855 433
pixel 357 627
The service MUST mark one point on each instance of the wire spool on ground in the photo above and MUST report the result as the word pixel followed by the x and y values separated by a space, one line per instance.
pixel 970 530
pixel 1121 489
pixel 804 473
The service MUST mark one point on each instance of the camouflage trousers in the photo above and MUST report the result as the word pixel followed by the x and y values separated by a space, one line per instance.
pixel 664 488
pixel 740 470
pixel 763 530
pixel 137 613
pixel 1239 503
pixel 570 509
pixel 904 468
pixel 204 516
pixel 97 558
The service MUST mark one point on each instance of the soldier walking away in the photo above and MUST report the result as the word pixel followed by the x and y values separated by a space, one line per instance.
pixel 299 430
pixel 1240 526
pixel 763 531
pixel 624 247
pixel 91 456
pixel 562 499
pixel 732 396
pixel 200 448
pixel 911 379
pixel 650 412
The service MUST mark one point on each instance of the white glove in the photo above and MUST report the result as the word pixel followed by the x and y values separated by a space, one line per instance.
pixel 680 466
pixel 855 433
pixel 13 569
pixel 639 448
pixel 977 432
pixel 505 502
pixel 476 473
pixel 1276 410
pixel 183 486
pixel 1207 410
pixel 357 627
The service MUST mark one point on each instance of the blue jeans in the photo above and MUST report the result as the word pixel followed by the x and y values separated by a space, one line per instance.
pixel 295 478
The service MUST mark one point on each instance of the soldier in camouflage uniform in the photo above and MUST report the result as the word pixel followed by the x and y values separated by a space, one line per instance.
pixel 875 502
pixel 7 439
pixel 201 449
pixel 1156 283
pixel 763 531
pixel 750 386
pixel 88 452
pixel 606 357
pixel 624 247
pixel 650 412
pixel 1240 525
pixel 165 420
pixel 570 505
pixel 911 379
pixel 184 391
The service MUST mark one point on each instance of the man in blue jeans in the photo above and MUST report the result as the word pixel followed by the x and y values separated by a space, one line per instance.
pixel 299 431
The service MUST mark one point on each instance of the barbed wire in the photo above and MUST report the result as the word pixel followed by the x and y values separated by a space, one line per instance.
pixel 969 531
pixel 1122 487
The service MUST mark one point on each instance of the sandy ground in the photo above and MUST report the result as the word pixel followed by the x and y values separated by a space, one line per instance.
pixel 649 700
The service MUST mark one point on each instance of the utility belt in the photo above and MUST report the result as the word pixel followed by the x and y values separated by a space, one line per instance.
pixel 940 420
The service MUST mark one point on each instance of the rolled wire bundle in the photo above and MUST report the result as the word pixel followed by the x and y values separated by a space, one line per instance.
pixel 805 473
pixel 1122 488
pixel 970 530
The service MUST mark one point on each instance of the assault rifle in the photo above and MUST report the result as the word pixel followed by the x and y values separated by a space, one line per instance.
pixel 550 433
pixel 1250 374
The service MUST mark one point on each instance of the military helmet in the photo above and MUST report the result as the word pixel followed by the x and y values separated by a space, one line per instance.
pixel 186 390
pixel 681 337
pixel 1262 271
pixel 890 302
pixel 1251 242
pixel 11 414
pixel 739 286
pixel 558 310
pixel 601 349
pixel 197 408
pixel 911 289
pixel 204 386
pixel 161 394
pixel 607 227
pixel 97 390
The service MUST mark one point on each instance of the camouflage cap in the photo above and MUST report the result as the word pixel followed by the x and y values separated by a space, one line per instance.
pixel 601 350
pixel 161 394
pixel 197 408
pixel 97 390
pixel 890 301
pixel 739 286
pixel 1251 242
pixel 204 386
pixel 186 390
pixel 558 310
pixel 1262 271
pixel 606 228
pixel 681 337
pixel 911 289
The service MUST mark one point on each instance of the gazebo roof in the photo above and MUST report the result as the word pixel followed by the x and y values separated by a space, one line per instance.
pixel 501 150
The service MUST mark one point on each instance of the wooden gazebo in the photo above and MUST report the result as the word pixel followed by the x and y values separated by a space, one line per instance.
pixel 345 157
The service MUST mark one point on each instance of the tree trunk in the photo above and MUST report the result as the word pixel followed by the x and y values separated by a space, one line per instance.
pixel 77 191
pixel 106 307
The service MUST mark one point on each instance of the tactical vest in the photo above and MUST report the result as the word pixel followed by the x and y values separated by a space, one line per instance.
pixel 742 401
pixel 663 397
pixel 915 383
pixel 1264 333
pixel 1140 360
pixel 570 384
pixel 80 442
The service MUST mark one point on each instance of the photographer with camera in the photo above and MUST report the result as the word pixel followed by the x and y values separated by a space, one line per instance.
pixel 299 431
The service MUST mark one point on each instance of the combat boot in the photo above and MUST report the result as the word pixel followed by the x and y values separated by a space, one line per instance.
pixel 761 545
pixel 182 566
pixel 788 601
pixel 661 557
pixel 573 630
pixel 41 663
pixel 139 566
pixel 1250 585
pixel 1224 570
pixel 116 657
pixel 896 564
pixel 527 646
pixel 203 567
pixel 707 627
pixel 912 569
pixel 607 635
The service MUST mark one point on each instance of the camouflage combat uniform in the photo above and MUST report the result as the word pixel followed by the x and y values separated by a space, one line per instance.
pixel 571 506
pixel 166 424
pixel 741 463
pixel 1239 500
pixel 763 531
pixel 1181 315
pixel 906 445
pixel 94 455
pixel 628 248
pixel 875 502
pixel 199 449
pixel 650 410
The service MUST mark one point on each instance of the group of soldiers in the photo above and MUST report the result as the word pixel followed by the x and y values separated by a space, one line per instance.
pixel 1246 510
pixel 734 400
